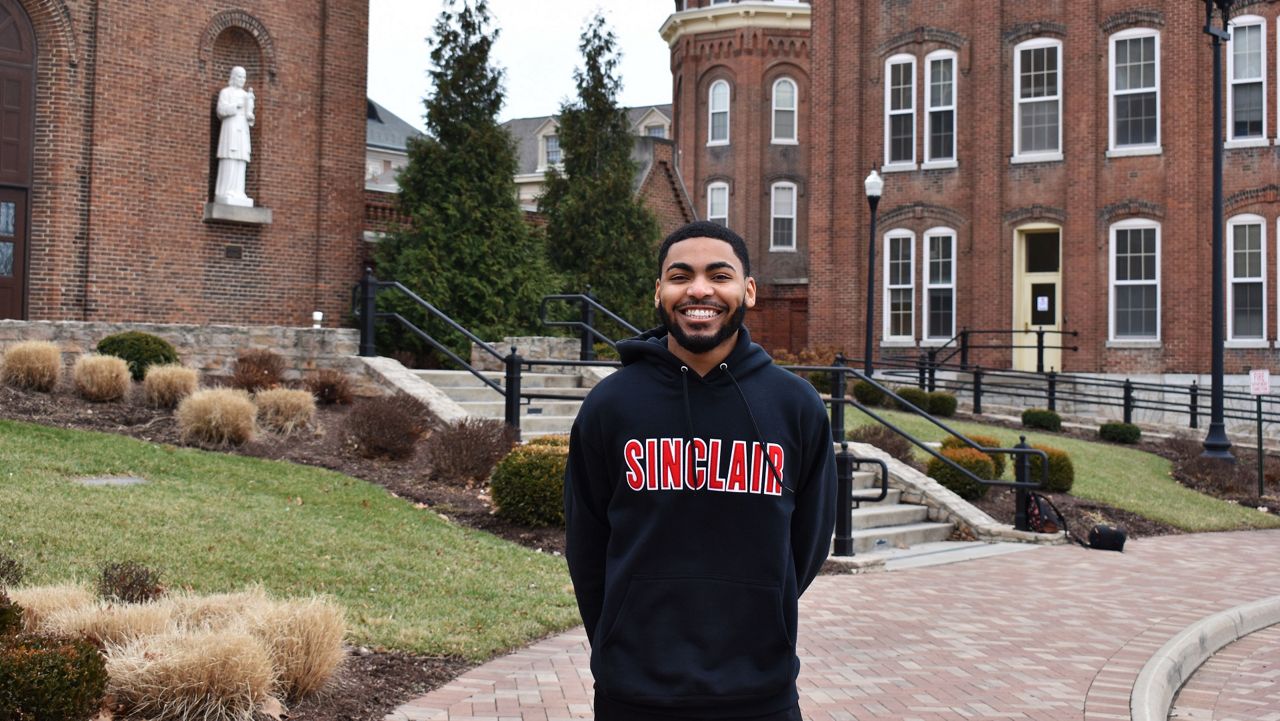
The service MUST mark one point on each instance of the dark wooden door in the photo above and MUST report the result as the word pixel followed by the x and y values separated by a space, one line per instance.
pixel 13 234
pixel 17 120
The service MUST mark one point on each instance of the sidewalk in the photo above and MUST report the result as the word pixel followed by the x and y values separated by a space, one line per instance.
pixel 1055 634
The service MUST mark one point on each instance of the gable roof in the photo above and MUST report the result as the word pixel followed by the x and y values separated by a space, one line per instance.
pixel 385 130
pixel 524 131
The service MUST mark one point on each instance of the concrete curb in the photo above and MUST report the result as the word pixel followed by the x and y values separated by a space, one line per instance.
pixel 1170 667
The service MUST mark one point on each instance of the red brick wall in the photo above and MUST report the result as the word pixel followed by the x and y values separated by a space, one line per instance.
pixel 124 131
pixel 662 190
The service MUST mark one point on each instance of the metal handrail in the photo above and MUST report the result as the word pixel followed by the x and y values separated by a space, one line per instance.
pixel 589 306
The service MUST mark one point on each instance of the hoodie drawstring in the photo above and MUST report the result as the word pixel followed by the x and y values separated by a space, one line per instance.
pixel 756 427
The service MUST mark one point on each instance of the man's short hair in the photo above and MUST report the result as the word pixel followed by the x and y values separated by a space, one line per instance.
pixel 706 229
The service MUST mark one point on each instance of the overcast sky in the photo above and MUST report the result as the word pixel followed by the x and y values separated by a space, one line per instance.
pixel 538 48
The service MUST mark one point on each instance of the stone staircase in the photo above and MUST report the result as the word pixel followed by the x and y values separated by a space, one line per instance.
pixel 890 524
pixel 538 417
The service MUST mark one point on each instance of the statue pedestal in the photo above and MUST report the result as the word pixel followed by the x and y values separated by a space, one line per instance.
pixel 239 214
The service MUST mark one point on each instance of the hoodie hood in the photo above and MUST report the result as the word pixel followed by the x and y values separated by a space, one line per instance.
pixel 651 346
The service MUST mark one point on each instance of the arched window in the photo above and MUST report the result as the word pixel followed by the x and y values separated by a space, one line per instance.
pixel 718 203
pixel 782 213
pixel 1135 90
pixel 1037 106
pixel 899 285
pixel 940 107
pixel 900 112
pixel 784 111
pixel 940 284
pixel 1247 279
pixel 718 109
pixel 1135 281
pixel 1247 86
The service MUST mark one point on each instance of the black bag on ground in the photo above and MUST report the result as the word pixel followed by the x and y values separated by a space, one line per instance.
pixel 1042 515
pixel 1107 538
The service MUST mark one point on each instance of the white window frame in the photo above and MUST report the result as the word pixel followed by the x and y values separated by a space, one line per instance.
pixel 794 110
pixel 889 113
pixel 1153 148
pixel 910 238
pixel 712 188
pixel 927 281
pixel 773 215
pixel 1040 156
pixel 930 109
pixel 1113 282
pixel 1245 219
pixel 1251 141
pixel 712 110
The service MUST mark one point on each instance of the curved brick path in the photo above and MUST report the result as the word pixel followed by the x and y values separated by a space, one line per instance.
pixel 1240 683
pixel 1055 634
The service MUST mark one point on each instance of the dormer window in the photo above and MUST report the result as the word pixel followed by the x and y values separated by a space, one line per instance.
pixel 655 131
pixel 552 144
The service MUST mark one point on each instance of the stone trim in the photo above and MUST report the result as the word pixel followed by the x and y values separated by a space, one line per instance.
pixel 735 16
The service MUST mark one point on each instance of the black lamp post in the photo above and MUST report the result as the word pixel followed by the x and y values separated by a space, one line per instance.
pixel 1216 443
pixel 874 185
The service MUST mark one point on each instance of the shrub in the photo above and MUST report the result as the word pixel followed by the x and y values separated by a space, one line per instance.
pixel 10 616
pixel 825 356
pixel 216 417
pixel 129 582
pixel 886 440
pixel 1062 474
pixel 867 394
pixel 100 378
pixel 942 404
pixel 11 571
pixel 1120 432
pixel 998 460
pixel 42 602
pixel 1042 418
pixel 330 386
pixel 285 411
pixel 915 396
pixel 464 452
pixel 110 624
pixel 528 486
pixel 139 350
pixel 164 386
pixel 215 611
pixel 50 678
pixel 33 365
pixel 554 440
pixel 304 638
pixel 971 459
pixel 222 675
pixel 256 370
pixel 386 426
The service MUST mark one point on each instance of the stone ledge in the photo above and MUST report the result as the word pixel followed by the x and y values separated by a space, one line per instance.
pixel 221 213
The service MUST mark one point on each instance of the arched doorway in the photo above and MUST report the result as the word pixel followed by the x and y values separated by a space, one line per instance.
pixel 17 123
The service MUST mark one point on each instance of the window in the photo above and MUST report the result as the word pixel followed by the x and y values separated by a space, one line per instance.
pixel 718 133
pixel 1037 126
pixel 940 284
pixel 1135 89
pixel 1246 69
pixel 552 143
pixel 783 213
pixel 940 118
pixel 899 287
pixel 900 111
pixel 655 131
pixel 1135 280
pixel 1246 264
pixel 718 203
pixel 784 111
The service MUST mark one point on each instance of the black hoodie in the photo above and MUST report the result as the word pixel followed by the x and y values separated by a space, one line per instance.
pixel 688 557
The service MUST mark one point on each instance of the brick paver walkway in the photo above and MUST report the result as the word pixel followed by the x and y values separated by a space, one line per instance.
pixel 1055 634
pixel 1240 683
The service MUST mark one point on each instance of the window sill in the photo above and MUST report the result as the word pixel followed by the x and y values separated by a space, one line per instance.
pixel 784 141
pixel 1134 343
pixel 714 143
pixel 939 165
pixel 1134 152
pixel 1247 143
pixel 782 249
pixel 899 168
pixel 934 342
pixel 1248 343
pixel 898 343
pixel 1042 158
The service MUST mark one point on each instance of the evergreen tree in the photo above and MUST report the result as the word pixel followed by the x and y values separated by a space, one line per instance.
pixel 598 233
pixel 467 250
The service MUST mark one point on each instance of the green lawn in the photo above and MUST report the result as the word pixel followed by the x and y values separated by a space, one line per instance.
pixel 1126 478
pixel 216 522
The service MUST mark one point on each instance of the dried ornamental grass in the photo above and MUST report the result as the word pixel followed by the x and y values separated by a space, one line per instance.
pixel 286 411
pixel 101 378
pixel 223 675
pixel 32 365
pixel 216 611
pixel 330 386
pixel 165 386
pixel 304 637
pixel 217 417
pixel 40 602
pixel 110 624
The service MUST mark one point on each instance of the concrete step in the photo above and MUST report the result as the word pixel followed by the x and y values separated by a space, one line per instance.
pixel 879 515
pixel 498 408
pixel 894 496
pixel 545 424
pixel 864 540
pixel 467 394
pixel 866 479
pixel 448 378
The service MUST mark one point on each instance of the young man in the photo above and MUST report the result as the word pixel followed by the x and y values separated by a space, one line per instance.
pixel 699 500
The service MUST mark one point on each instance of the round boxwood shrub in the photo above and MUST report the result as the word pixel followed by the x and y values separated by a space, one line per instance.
pixel 1062 473
pixel 140 350
pixel 528 485
pixel 942 404
pixel 47 677
pixel 998 460
pixel 554 440
pixel 867 394
pixel 1042 418
pixel 915 396
pixel 1120 432
pixel 972 460
pixel 10 616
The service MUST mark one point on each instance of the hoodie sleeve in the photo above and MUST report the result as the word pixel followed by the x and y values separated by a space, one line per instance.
pixel 586 501
pixel 814 518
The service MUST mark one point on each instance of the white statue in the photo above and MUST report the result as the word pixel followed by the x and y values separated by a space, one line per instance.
pixel 235 108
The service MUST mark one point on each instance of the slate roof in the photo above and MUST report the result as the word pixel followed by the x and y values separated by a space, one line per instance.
pixel 524 131
pixel 385 130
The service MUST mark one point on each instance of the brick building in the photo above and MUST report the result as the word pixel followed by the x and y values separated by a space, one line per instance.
pixel 107 160
pixel 1046 165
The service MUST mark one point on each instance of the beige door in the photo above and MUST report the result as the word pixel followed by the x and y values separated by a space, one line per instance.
pixel 1037 296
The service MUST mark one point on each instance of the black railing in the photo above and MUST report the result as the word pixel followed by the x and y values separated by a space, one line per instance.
pixel 962 344
pixel 588 308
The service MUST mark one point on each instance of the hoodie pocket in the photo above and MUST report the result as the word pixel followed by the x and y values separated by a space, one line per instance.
pixel 691 639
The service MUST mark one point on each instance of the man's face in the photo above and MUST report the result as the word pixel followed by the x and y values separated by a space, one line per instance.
pixel 702 294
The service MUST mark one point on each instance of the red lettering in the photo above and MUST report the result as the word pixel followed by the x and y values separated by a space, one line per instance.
pixel 698 477
pixel 774 485
pixel 651 463
pixel 738 468
pixel 715 482
pixel 672 463
pixel 757 470
pixel 631 456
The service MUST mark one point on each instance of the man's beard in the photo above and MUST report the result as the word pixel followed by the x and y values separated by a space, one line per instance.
pixel 703 343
